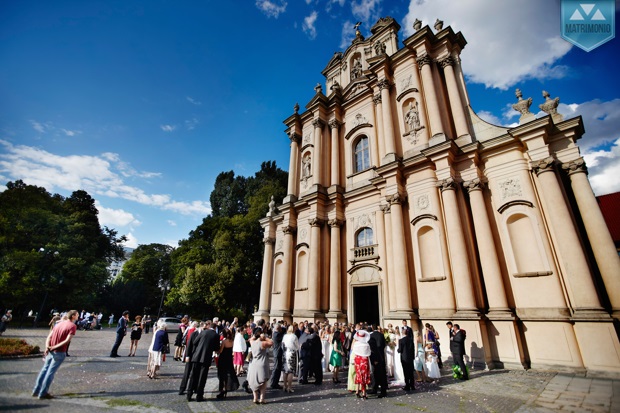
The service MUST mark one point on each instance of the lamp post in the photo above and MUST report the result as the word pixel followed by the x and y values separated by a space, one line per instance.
pixel 165 286
pixel 46 255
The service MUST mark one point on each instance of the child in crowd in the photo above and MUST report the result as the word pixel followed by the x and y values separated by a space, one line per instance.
pixel 432 368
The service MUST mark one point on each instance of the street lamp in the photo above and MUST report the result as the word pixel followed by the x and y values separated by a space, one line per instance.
pixel 165 286
pixel 47 255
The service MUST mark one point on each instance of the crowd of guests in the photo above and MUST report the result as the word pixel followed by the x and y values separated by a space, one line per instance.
pixel 365 356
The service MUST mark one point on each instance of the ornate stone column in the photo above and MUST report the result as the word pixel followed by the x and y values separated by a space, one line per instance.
pixel 400 269
pixel 314 272
pixel 265 284
pixel 463 286
pixel 491 271
pixel 578 279
pixel 456 104
pixel 285 280
pixel 317 159
pixel 293 165
pixel 335 166
pixel 598 233
pixel 335 293
pixel 430 96
pixel 379 152
pixel 388 124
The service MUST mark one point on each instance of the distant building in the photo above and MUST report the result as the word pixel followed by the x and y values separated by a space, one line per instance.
pixel 403 204
pixel 610 207
pixel 116 267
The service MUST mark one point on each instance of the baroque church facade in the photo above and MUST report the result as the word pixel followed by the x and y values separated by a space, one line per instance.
pixel 404 205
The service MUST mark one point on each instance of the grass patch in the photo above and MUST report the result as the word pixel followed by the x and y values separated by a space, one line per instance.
pixel 401 404
pixel 125 402
pixel 16 347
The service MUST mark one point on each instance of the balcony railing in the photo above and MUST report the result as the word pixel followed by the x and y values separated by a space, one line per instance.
pixel 366 253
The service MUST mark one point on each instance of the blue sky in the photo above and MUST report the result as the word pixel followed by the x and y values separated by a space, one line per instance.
pixel 143 103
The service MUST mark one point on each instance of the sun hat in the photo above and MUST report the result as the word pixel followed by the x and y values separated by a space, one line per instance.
pixel 362 336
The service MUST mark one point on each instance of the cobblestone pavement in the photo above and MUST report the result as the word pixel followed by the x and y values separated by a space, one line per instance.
pixel 91 381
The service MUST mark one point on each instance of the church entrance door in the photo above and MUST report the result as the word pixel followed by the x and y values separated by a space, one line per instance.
pixel 366 304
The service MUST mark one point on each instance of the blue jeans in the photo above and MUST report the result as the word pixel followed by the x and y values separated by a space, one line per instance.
pixel 46 376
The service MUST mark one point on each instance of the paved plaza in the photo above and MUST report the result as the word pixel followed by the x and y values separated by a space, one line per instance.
pixel 90 381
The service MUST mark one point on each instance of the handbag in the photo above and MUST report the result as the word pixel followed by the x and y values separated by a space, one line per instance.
pixel 166 349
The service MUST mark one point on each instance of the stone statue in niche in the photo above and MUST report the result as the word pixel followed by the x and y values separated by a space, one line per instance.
pixel 412 118
pixel 380 48
pixel 306 166
pixel 356 69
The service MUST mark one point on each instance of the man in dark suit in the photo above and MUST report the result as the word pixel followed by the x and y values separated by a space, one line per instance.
pixel 316 355
pixel 192 342
pixel 276 337
pixel 304 354
pixel 207 342
pixel 377 358
pixel 121 331
pixel 457 347
pixel 407 355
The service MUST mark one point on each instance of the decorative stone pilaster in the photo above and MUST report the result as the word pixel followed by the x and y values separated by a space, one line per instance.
pixel 314 270
pixel 318 151
pixel 601 241
pixel 335 283
pixel 464 288
pixel 265 285
pixel 400 270
pixel 430 97
pixel 334 125
pixel 293 167
pixel 454 95
pixel 491 270
pixel 574 266
pixel 388 128
pixel 284 280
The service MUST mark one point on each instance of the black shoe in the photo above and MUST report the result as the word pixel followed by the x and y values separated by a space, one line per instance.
pixel 221 395
pixel 68 355
pixel 406 388
pixel 277 387
pixel 189 396
pixel 181 392
pixel 200 399
pixel 114 355
pixel 382 395
pixel 46 396
pixel 303 381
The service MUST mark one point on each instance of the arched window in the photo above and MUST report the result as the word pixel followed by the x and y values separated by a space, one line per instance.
pixel 364 237
pixel 362 156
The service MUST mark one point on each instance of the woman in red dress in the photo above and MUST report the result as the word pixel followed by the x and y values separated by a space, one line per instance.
pixel 361 352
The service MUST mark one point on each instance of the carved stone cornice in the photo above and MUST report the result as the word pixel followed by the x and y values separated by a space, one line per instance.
pixel 447 185
pixel 335 223
pixel 384 84
pixel 289 230
pixel 575 166
pixel 294 137
pixel 316 222
pixel 473 185
pixel 269 241
pixel 423 60
pixel 318 123
pixel 376 99
pixel 334 124
pixel 446 61
pixel 543 165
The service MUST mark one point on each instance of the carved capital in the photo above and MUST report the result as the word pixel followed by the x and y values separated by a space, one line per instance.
pixel 447 61
pixel 294 137
pixel 316 222
pixel 318 123
pixel 575 166
pixel 423 60
pixel 473 185
pixel 386 208
pixel 544 165
pixel 376 99
pixel 335 223
pixel 334 124
pixel 289 230
pixel 269 241
pixel 384 84
pixel 395 199
pixel 447 184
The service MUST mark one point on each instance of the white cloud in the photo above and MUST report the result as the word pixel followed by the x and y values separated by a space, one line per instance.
pixel 114 218
pixel 193 101
pixel 348 33
pixel 172 223
pixel 98 175
pixel 367 11
pixel 190 124
pixel 271 8
pixel 132 241
pixel 71 132
pixel 308 25
pixel 601 121
pixel 168 128
pixel 525 33
pixel 38 126
pixel 604 169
